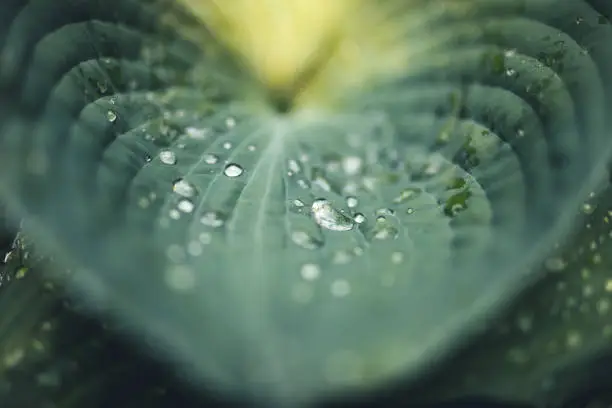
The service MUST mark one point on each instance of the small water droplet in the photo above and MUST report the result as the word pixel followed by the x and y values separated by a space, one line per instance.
pixel 230 122
pixel 340 288
pixel 205 238
pixel 210 158
pixel 328 217
pixel 352 202
pixel 352 165
pixel 304 240
pixel 310 271
pixel 212 219
pixel 233 170
pixel 555 264
pixel 294 167
pixel 406 195
pixel 180 278
pixel 111 116
pixel 227 145
pixel 186 206
pixel 196 133
pixel 342 258
pixel 167 157
pixel 360 218
pixel 397 258
pixel 175 214
pixel 184 188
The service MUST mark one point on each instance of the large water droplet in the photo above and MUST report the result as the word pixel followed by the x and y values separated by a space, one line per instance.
pixel 233 170
pixel 328 217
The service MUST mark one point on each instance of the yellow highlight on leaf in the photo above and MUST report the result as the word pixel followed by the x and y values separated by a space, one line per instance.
pixel 311 51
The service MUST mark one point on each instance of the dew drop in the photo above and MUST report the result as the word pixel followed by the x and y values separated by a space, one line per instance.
pixel 304 240
pixel 341 258
pixel 205 238
pixel 397 258
pixel 328 217
pixel 111 116
pixel 352 202
pixel 212 219
pixel 227 145
pixel 406 195
pixel 310 271
pixel 360 218
pixel 210 158
pixel 186 206
pixel 196 133
pixel 184 188
pixel 294 167
pixel 340 288
pixel 167 157
pixel 352 165
pixel 233 170
pixel 180 278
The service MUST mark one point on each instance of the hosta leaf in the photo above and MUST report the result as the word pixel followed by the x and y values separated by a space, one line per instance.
pixel 290 256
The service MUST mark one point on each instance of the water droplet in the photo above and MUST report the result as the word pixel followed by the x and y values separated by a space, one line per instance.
pixel 227 145
pixel 360 218
pixel 310 271
pixel 196 133
pixel 175 214
pixel 397 258
pixel 205 238
pixel 233 170
pixel 298 203
pixel 184 188
pixel 383 229
pixel 210 158
pixel 328 217
pixel 406 195
pixel 555 264
pixel 230 122
pixel 180 278
pixel 111 116
pixel 342 258
pixel 352 202
pixel 194 248
pixel 212 219
pixel 167 157
pixel 352 165
pixel 294 167
pixel 340 288
pixel 322 183
pixel 186 206
pixel 304 240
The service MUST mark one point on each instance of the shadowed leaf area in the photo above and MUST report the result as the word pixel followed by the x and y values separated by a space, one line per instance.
pixel 431 231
